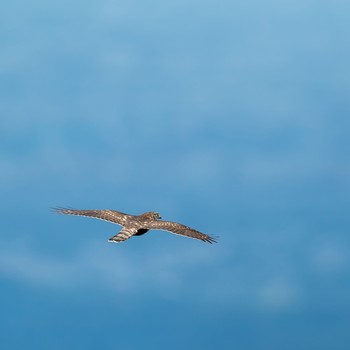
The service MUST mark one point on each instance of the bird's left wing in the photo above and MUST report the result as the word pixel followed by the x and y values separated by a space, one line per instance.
pixel 180 229
pixel 107 215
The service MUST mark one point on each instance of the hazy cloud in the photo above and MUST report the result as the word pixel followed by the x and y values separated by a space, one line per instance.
pixel 202 274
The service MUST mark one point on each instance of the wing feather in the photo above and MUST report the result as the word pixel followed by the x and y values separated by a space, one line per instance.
pixel 107 215
pixel 181 230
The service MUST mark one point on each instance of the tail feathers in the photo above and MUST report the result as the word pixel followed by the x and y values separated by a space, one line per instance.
pixel 116 239
pixel 122 236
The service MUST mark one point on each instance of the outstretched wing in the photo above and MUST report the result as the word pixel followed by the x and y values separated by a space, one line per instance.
pixel 107 215
pixel 181 230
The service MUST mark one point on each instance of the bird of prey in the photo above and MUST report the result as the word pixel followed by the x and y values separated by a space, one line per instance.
pixel 137 225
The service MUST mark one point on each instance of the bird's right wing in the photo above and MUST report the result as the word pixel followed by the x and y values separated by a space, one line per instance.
pixel 180 229
pixel 107 215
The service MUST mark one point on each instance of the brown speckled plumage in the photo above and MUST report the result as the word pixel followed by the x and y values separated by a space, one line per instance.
pixel 137 225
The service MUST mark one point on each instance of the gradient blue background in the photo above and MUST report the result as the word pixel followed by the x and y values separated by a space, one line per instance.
pixel 232 117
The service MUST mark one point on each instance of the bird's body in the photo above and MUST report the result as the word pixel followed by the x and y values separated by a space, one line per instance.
pixel 137 225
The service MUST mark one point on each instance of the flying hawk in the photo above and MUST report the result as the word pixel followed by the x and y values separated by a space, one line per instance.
pixel 137 225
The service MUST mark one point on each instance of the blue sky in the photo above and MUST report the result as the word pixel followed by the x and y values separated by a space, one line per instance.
pixel 229 117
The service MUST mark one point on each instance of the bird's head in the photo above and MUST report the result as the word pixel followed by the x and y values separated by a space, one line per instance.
pixel 150 215
pixel 156 216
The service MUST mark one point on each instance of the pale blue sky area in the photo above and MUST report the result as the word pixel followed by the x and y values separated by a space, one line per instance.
pixel 230 117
